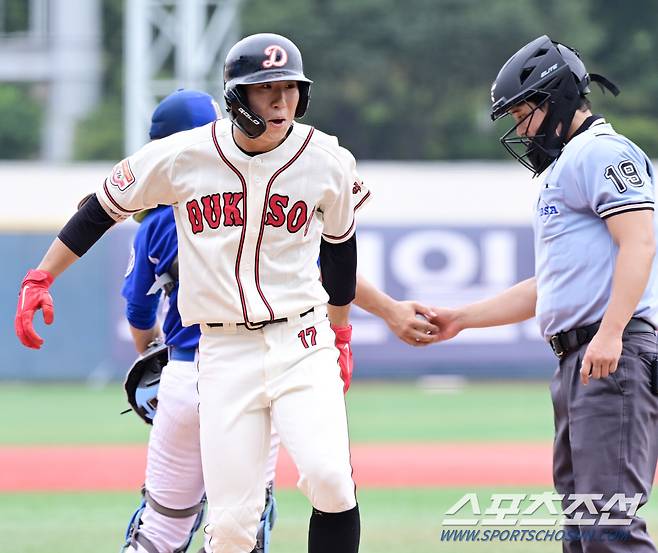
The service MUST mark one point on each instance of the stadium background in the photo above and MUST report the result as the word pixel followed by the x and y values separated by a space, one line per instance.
pixel 405 86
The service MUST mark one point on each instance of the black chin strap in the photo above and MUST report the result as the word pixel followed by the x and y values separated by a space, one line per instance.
pixel 604 83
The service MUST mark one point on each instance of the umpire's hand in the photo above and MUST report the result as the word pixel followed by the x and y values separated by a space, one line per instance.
pixel 601 356
pixel 447 321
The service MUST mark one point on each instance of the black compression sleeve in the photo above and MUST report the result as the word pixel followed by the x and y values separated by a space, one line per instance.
pixel 86 227
pixel 338 267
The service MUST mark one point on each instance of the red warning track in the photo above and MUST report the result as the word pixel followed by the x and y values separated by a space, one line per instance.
pixel 80 468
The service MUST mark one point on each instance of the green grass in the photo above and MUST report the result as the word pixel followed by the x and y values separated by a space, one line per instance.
pixel 67 414
pixel 478 412
pixel 393 521
pixel 76 414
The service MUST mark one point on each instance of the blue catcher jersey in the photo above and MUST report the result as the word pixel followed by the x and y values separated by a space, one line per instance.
pixel 154 249
pixel 599 174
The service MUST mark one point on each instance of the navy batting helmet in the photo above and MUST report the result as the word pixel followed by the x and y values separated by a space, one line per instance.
pixel 261 58
pixel 182 110
pixel 551 76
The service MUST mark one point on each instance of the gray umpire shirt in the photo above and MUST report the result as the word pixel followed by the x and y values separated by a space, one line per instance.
pixel 599 174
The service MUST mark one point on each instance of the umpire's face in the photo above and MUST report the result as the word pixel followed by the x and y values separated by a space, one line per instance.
pixel 276 102
pixel 528 118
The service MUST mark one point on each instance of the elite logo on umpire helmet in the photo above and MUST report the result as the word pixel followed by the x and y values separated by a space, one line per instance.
pixel 261 58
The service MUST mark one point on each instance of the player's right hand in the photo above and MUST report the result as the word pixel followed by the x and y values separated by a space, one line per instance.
pixel 33 295
pixel 409 321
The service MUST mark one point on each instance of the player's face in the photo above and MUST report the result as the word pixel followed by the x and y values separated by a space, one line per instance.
pixel 275 102
pixel 527 118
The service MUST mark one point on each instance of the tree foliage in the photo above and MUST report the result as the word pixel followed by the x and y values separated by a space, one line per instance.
pixel 21 115
pixel 100 134
pixel 411 80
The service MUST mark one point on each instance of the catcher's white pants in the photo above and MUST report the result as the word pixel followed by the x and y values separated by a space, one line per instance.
pixel 173 469
pixel 248 379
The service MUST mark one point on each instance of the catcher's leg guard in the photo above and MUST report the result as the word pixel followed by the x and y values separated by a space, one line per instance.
pixel 133 524
pixel 267 520
pixel 135 539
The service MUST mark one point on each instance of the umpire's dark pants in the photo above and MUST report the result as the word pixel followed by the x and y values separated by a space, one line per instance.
pixel 606 442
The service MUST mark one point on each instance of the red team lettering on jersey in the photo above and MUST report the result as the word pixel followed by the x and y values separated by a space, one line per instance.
pixel 210 213
pixel 239 217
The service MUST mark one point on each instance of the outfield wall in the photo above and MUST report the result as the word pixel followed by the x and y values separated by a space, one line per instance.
pixel 442 233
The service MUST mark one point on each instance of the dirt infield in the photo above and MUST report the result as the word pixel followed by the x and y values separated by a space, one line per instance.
pixel 86 468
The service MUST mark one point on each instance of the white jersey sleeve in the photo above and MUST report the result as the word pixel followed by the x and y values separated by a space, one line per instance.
pixel 340 203
pixel 616 177
pixel 141 181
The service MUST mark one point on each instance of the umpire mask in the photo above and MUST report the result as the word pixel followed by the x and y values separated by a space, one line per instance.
pixel 549 76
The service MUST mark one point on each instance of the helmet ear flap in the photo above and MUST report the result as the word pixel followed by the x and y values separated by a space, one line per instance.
pixel 249 122
pixel 304 98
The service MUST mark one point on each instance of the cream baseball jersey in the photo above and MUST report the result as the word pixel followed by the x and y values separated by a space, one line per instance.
pixel 249 227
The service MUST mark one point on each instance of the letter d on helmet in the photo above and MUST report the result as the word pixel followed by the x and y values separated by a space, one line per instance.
pixel 261 58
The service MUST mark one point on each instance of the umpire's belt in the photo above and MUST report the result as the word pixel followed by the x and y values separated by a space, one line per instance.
pixel 569 341
pixel 261 324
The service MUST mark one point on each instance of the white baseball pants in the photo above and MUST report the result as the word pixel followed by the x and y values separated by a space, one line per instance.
pixel 286 373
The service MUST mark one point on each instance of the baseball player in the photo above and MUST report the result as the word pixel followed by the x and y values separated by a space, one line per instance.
pixel 594 293
pixel 172 508
pixel 173 472
pixel 257 198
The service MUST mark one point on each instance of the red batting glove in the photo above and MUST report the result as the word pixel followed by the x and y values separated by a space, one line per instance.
pixel 345 360
pixel 33 295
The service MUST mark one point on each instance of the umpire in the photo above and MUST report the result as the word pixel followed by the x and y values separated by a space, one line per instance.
pixel 594 293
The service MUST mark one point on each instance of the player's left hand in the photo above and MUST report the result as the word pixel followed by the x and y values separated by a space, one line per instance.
pixel 345 360
pixel 601 356
pixel 33 296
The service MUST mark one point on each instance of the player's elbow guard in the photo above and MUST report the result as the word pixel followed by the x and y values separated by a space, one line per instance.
pixel 86 227
pixel 338 267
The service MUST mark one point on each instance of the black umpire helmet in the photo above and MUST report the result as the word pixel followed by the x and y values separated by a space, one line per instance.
pixel 553 77
pixel 261 58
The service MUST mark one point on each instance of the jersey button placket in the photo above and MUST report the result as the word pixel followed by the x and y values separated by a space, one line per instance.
pixel 256 190
pixel 258 193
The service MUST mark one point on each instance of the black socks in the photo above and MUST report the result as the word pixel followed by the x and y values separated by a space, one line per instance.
pixel 334 532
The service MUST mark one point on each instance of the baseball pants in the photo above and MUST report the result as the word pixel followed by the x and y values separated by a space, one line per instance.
pixel 173 469
pixel 287 373
pixel 606 442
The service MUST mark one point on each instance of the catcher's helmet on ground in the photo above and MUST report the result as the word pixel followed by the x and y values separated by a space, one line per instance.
pixel 261 58
pixel 551 76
